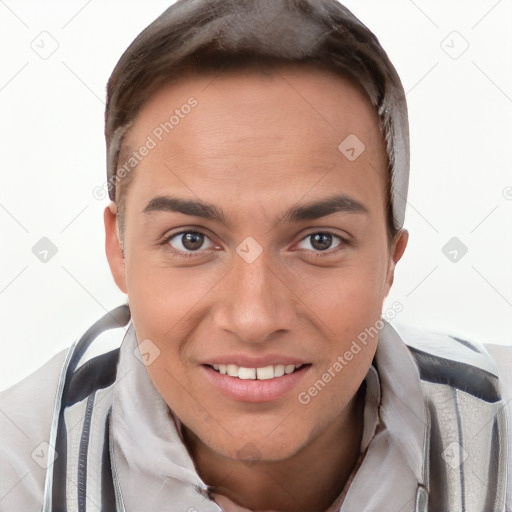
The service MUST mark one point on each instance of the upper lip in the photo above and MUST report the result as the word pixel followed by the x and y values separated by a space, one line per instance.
pixel 245 361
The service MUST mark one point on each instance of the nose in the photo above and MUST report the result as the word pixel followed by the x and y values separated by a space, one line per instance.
pixel 256 303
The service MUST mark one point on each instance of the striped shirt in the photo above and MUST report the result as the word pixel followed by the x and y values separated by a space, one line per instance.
pixel 123 446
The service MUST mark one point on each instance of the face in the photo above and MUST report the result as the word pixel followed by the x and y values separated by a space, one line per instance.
pixel 256 245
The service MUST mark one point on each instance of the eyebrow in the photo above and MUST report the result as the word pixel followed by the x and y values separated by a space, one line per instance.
pixel 310 211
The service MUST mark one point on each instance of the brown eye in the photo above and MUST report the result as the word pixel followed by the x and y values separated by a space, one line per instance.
pixel 188 241
pixel 320 241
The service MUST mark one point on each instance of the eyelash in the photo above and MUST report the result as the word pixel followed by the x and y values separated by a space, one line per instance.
pixel 180 254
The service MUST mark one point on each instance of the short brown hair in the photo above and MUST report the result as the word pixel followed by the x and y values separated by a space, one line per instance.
pixel 232 34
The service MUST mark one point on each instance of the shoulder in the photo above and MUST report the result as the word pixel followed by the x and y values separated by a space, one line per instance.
pixel 33 398
pixel 26 411
pixel 502 356
pixel 464 364
pixel 476 378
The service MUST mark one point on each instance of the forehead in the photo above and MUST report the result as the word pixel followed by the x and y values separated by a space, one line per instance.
pixel 268 131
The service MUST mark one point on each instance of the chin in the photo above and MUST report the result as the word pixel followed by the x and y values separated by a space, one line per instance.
pixel 263 448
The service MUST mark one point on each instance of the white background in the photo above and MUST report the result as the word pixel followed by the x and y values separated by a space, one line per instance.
pixel 53 156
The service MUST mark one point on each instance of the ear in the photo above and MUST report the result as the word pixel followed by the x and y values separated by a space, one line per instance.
pixel 397 250
pixel 113 247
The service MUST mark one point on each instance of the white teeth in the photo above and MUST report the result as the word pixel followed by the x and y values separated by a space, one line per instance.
pixel 278 370
pixel 232 370
pixel 289 369
pixel 264 373
pixel 246 373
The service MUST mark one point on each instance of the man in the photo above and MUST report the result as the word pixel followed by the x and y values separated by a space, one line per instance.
pixel 258 168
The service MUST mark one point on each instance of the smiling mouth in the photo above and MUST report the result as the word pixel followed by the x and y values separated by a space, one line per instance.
pixel 263 373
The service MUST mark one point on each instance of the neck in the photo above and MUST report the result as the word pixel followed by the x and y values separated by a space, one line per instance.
pixel 311 479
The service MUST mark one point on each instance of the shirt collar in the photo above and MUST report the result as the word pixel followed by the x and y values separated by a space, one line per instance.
pixel 141 421
pixel 393 435
pixel 395 453
pixel 402 408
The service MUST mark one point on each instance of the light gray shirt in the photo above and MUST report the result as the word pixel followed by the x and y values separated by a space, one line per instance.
pixel 156 472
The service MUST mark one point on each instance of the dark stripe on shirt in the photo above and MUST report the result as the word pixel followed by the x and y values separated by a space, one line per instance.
pixel 82 456
pixel 108 499
pixel 470 379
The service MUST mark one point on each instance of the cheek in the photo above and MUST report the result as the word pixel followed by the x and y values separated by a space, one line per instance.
pixel 348 306
pixel 163 298
pixel 348 298
pixel 350 322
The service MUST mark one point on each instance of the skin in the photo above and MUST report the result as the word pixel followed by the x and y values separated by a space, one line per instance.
pixel 254 147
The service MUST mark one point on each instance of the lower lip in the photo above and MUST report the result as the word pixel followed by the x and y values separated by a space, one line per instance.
pixel 254 390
